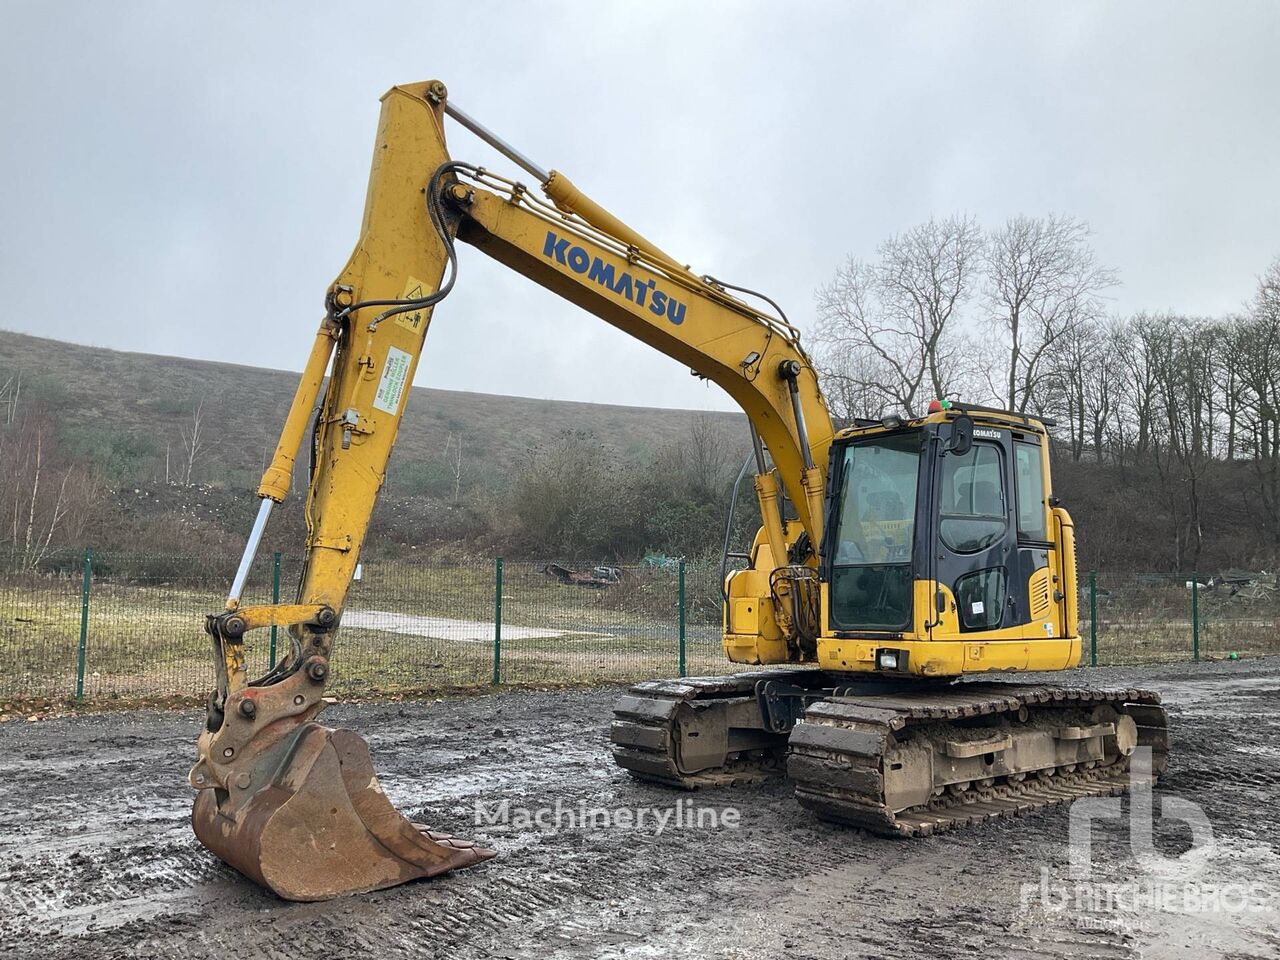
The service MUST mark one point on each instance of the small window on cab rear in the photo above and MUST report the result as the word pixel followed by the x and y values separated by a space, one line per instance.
pixel 1031 505
pixel 980 599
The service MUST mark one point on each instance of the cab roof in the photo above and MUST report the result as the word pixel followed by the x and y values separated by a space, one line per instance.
pixel 991 416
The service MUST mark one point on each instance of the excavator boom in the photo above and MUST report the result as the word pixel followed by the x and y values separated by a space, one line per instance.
pixel 289 802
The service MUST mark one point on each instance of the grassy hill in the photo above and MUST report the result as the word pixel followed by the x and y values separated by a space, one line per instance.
pixel 619 493
pixel 121 410
pixel 122 417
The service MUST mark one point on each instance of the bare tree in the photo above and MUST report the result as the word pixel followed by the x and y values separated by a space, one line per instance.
pixel 888 328
pixel 698 465
pixel 564 495
pixel 10 393
pixel 457 463
pixel 1082 384
pixel 1259 373
pixel 194 442
pixel 1230 354
pixel 709 457
pixel 1043 282
pixel 33 488
pixel 1102 396
pixel 36 543
pixel 1146 331
pixel 852 379
pixel 1179 356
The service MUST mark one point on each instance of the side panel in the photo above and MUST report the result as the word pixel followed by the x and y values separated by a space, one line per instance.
pixel 951 658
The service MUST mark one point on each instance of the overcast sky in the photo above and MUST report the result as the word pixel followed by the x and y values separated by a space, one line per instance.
pixel 188 178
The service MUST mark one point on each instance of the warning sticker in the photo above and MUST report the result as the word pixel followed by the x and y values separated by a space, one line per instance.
pixel 395 376
pixel 415 320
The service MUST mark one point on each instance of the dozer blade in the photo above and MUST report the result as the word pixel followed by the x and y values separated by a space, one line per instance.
pixel 311 822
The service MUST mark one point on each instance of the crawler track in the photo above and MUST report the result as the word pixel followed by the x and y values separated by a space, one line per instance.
pixel 842 749
pixel 646 730
pixel 842 756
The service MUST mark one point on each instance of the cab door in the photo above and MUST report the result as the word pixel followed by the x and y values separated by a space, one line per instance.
pixel 976 539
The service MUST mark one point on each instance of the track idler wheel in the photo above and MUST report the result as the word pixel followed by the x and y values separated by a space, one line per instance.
pixel 311 822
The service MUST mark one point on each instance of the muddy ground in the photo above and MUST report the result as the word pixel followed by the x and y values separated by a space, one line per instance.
pixel 97 858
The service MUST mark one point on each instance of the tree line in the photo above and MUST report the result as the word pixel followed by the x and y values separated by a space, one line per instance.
pixel 1184 409
pixel 1166 448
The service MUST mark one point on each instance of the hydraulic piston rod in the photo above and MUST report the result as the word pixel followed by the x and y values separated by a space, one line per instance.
pixel 250 551
pixel 812 479
pixel 495 141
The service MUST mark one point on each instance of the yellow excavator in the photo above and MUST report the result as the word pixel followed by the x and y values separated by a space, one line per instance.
pixel 895 557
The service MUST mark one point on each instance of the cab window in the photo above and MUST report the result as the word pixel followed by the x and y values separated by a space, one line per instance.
pixel 1030 472
pixel 980 599
pixel 972 500
pixel 871 585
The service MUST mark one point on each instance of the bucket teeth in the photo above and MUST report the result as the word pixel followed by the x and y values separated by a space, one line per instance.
pixel 445 840
pixel 313 823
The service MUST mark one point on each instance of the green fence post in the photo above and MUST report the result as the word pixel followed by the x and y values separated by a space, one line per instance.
pixel 1195 617
pixel 275 598
pixel 497 622
pixel 84 621
pixel 682 617
pixel 1093 619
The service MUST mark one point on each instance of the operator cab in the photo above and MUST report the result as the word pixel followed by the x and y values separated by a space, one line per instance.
pixel 958 501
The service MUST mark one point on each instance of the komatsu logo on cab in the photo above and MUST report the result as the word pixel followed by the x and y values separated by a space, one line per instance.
pixel 641 292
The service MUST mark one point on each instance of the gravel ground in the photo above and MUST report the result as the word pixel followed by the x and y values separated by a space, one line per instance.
pixel 97 858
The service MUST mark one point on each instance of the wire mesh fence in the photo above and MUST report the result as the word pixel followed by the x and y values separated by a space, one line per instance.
pixel 1154 617
pixel 131 627
pixel 117 626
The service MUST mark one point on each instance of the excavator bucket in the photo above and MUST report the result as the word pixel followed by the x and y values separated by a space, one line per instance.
pixel 309 821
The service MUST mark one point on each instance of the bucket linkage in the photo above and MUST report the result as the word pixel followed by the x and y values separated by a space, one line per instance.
pixel 290 803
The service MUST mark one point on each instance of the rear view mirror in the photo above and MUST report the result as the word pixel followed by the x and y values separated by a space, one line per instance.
pixel 961 441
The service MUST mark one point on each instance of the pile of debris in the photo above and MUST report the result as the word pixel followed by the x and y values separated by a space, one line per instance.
pixel 1244 584
pixel 599 577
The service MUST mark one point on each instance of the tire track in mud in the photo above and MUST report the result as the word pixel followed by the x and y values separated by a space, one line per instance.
pixel 97 859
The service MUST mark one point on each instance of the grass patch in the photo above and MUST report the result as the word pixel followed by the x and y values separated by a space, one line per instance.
pixel 429 627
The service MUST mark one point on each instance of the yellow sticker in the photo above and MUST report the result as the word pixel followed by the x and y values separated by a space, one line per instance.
pixel 413 320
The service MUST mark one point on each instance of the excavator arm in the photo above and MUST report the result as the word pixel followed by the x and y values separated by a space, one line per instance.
pixel 296 805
